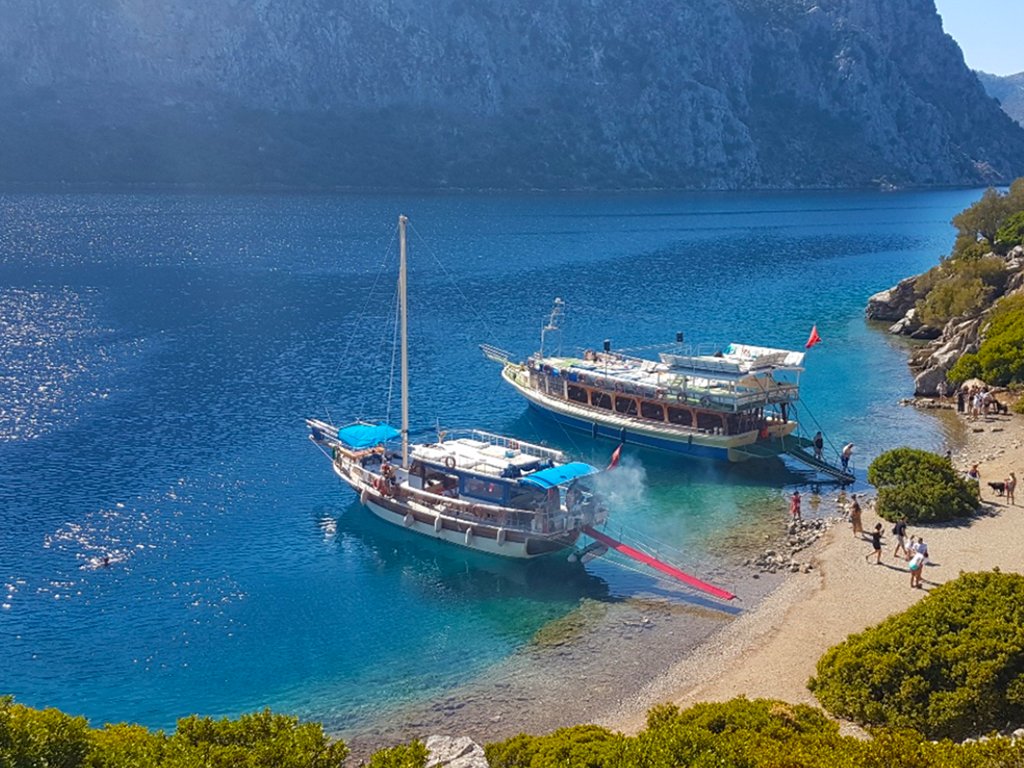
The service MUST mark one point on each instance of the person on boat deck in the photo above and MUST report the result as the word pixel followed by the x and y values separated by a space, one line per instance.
pixel 844 457
pixel 819 445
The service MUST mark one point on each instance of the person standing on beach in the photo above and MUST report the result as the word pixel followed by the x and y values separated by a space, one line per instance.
pixel 855 517
pixel 876 544
pixel 900 529
pixel 916 565
pixel 794 506
pixel 1011 486
pixel 819 445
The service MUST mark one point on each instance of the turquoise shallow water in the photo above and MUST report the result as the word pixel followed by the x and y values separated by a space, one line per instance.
pixel 161 351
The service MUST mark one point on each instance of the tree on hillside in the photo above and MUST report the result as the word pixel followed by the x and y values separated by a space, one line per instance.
pixel 981 221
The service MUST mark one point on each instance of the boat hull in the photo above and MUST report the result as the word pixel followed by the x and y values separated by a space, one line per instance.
pixel 493 540
pixel 683 442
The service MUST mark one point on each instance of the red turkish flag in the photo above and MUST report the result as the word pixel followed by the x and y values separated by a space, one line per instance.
pixel 814 338
pixel 615 457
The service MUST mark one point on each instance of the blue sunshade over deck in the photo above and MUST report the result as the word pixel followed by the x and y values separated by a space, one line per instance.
pixel 555 476
pixel 359 436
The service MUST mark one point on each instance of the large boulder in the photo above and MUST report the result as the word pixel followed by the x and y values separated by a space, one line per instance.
pixel 455 752
pixel 893 303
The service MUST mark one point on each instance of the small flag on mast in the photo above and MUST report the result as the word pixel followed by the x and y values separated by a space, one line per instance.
pixel 615 457
pixel 814 338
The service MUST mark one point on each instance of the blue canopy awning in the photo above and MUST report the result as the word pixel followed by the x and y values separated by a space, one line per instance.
pixel 359 436
pixel 561 475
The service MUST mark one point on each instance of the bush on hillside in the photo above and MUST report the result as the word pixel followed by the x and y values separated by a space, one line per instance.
pixel 49 738
pixel 1000 358
pixel 750 734
pixel 412 755
pixel 920 486
pixel 951 666
pixel 1011 233
pixel 958 288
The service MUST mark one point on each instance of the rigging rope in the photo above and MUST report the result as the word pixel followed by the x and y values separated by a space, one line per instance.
pixel 344 357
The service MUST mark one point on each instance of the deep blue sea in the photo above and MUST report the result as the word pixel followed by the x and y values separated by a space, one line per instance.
pixel 160 352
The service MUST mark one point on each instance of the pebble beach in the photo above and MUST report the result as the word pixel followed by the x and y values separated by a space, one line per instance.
pixel 771 651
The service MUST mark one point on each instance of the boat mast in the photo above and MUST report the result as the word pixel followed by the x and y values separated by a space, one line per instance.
pixel 553 323
pixel 403 319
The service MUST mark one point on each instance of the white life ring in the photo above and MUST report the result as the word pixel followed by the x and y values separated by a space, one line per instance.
pixel 409 520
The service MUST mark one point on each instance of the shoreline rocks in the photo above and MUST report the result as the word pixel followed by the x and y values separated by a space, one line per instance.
pixel 960 336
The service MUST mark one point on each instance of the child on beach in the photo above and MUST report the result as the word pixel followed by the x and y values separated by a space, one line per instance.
pixel 794 506
pixel 916 565
pixel 876 544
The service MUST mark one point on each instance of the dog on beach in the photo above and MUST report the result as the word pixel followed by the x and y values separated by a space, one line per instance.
pixel 998 486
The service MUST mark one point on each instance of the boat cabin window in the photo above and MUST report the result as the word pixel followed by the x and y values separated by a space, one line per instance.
pixel 709 421
pixel 680 416
pixel 485 490
pixel 601 400
pixel 441 484
pixel 626 405
pixel 652 411
pixel 526 497
pixel 578 394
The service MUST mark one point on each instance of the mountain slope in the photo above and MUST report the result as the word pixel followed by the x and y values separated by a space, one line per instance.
pixel 481 94
pixel 1009 90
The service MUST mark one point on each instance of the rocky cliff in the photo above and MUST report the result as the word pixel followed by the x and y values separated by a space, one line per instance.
pixel 960 336
pixel 1009 91
pixel 482 94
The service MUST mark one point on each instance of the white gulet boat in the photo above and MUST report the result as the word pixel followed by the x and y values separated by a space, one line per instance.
pixel 475 489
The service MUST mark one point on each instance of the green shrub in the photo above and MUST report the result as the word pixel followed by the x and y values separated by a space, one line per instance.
pixel 1000 358
pixel 951 666
pixel 41 738
pixel 1011 233
pixel 963 286
pixel 407 756
pixel 745 734
pixel 582 746
pixel 920 486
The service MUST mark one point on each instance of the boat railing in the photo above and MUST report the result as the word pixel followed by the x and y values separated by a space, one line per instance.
pixel 509 443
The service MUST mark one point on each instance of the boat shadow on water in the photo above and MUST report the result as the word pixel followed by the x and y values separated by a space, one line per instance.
pixel 461 571
pixel 438 569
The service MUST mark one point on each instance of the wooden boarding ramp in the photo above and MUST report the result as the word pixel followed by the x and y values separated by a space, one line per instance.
pixel 669 570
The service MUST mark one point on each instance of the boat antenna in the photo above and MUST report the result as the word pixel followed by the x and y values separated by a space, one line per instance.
pixel 403 319
pixel 554 322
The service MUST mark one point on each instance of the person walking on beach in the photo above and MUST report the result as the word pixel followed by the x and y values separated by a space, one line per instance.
pixel 1011 486
pixel 876 544
pixel 819 445
pixel 855 517
pixel 900 529
pixel 794 506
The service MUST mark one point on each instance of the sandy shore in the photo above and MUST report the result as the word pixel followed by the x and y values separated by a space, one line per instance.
pixel 772 650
